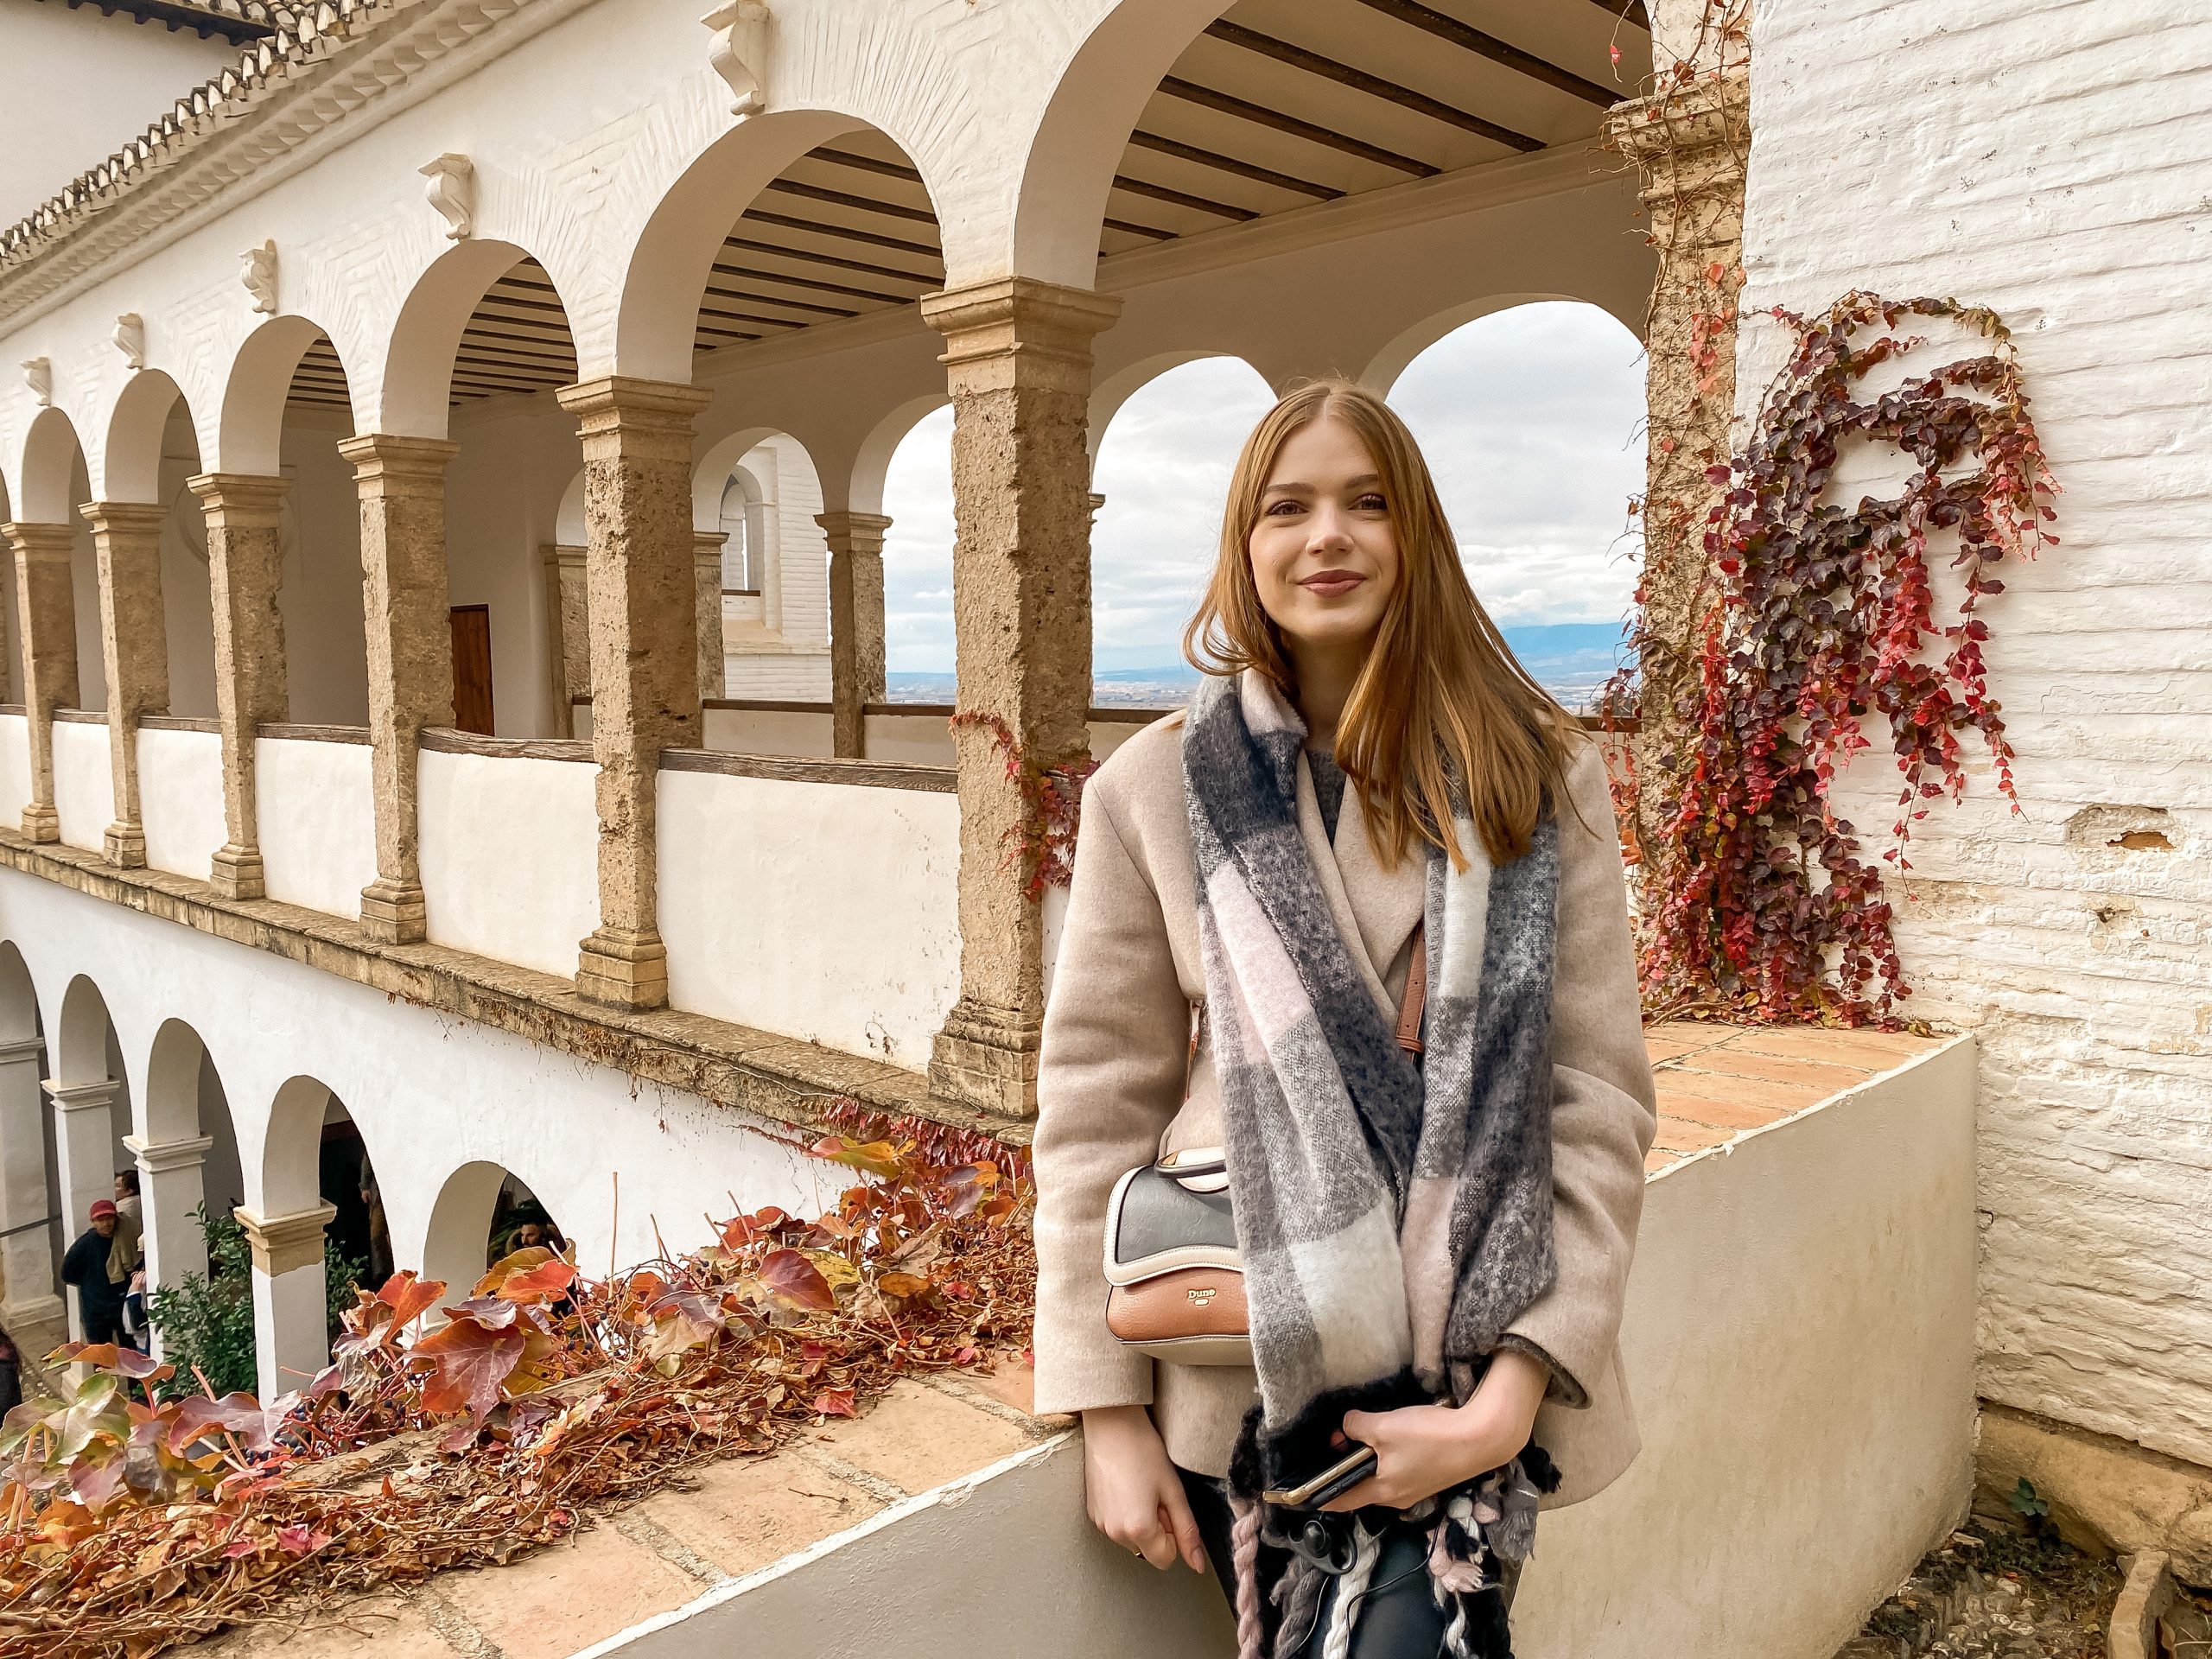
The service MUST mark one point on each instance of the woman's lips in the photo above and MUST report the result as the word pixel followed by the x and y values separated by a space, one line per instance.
pixel 1333 584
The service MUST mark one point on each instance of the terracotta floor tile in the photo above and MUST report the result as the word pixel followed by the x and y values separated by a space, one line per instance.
pixel 747 1512
pixel 1012 1381
pixel 548 1604
pixel 1693 1079
pixel 1826 1076
pixel 1658 1159
pixel 1675 1136
pixel 917 1438
pixel 347 1628
pixel 1718 1114
pixel 1879 1051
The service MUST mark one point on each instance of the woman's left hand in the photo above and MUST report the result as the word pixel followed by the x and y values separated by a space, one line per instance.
pixel 1420 1450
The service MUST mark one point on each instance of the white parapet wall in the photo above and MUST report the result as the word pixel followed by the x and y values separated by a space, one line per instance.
pixel 510 857
pixel 825 912
pixel 1800 1347
pixel 84 784
pixel 180 800
pixel 921 739
pixel 15 769
pixel 317 817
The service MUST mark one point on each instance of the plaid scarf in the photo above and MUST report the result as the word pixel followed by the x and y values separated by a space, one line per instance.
pixel 1392 1218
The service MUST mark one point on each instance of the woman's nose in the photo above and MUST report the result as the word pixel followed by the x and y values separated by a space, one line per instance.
pixel 1326 529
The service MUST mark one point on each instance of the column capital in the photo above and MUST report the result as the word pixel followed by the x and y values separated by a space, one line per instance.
pixel 158 1157
pixel 706 544
pixel 1048 325
pixel 280 1243
pixel 390 459
pixel 69 1098
pixel 123 517
pixel 633 403
pixel 564 557
pixel 857 533
pixel 38 543
pixel 22 1048
pixel 239 500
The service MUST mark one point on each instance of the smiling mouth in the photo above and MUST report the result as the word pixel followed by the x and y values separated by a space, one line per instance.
pixel 1333 584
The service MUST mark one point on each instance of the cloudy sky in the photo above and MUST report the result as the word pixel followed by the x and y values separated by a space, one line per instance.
pixel 1530 419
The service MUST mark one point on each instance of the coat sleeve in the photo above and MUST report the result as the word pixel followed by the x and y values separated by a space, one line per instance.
pixel 1109 1082
pixel 1604 1112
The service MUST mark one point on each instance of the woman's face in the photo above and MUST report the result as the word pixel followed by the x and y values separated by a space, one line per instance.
pixel 1324 556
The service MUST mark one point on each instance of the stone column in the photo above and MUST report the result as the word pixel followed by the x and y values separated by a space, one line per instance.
pixel 707 601
pixel 291 1331
pixel 46 610
pixel 856 622
pixel 134 644
pixel 244 569
pixel 642 588
pixel 170 1189
pixel 400 482
pixel 83 1156
pixel 1690 146
pixel 569 635
pixel 27 1289
pixel 1019 366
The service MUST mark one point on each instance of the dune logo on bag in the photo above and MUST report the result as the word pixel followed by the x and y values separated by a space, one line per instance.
pixel 1200 1294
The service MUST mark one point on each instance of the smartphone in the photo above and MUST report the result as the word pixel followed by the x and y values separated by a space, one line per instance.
pixel 1330 1484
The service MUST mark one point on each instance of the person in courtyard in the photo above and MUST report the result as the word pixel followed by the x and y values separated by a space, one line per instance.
pixel 126 1256
pixel 1347 948
pixel 12 1375
pixel 84 1270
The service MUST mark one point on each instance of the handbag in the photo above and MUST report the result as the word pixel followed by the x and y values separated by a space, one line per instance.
pixel 1174 1279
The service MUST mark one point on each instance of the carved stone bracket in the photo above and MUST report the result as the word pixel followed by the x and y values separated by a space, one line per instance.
pixel 38 375
pixel 740 52
pixel 130 338
pixel 452 190
pixel 258 270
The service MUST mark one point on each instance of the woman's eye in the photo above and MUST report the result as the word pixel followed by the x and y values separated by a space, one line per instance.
pixel 1281 509
pixel 1370 502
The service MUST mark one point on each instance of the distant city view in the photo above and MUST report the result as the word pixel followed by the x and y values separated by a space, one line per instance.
pixel 1571 660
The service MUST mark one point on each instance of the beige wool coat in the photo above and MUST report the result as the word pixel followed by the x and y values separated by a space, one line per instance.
pixel 1110 1095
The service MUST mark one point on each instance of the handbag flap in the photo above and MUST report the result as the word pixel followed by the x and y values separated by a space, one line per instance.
pixel 1157 1222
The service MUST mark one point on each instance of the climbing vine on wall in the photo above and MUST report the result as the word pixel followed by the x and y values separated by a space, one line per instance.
pixel 1824 627
pixel 1042 844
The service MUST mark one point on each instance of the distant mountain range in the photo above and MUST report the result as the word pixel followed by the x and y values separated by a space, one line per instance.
pixel 1571 660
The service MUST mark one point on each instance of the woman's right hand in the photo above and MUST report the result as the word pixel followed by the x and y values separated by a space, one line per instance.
pixel 1131 1490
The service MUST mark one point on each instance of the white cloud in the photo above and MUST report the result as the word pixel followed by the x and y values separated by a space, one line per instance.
pixel 1530 419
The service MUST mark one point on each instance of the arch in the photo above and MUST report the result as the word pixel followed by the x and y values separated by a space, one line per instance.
pixel 864 494
pixel 426 336
pixel 130 458
pixel 1088 120
pixel 51 453
pixel 1108 396
pixel 19 1019
pixel 170 1109
pixel 666 276
pixel 249 431
pixel 186 1153
pixel 290 1146
pixel 569 527
pixel 460 1239
pixel 1383 370
pixel 80 1045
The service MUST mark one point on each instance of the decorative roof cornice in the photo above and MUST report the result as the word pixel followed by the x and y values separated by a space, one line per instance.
pixel 238 21
pixel 335 57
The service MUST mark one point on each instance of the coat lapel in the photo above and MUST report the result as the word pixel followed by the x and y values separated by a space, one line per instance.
pixel 1375 912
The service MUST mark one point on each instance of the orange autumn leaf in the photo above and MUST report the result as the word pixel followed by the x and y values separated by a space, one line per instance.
pixel 796 1282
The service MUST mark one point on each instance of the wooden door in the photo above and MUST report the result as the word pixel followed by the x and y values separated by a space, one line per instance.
pixel 472 668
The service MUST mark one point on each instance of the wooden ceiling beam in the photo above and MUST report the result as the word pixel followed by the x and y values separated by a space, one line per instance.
pixel 816 284
pixel 1633 12
pixel 1260 115
pixel 775 299
pixel 1230 164
pixel 1358 80
pixel 749 245
pixel 843 232
pixel 847 199
pixel 1471 39
pixel 1182 199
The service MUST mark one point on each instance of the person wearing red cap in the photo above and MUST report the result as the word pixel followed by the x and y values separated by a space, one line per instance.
pixel 99 1299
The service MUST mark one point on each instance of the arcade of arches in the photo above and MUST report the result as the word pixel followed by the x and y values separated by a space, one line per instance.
pixel 474 656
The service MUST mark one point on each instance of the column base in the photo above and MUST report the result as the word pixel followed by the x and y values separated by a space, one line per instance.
pixel 623 968
pixel 235 872
pixel 125 845
pixel 42 823
pixel 393 912
pixel 986 1057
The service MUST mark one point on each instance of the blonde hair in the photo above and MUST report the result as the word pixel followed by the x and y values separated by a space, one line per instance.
pixel 1442 711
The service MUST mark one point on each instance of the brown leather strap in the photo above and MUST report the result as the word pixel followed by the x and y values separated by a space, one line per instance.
pixel 1409 1005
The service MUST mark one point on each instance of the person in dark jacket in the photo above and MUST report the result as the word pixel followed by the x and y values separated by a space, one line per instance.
pixel 99 1299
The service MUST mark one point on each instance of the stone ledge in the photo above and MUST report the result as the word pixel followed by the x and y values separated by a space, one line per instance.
pixel 780 1078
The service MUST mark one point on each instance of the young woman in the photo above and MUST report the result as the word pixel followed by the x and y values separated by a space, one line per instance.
pixel 1434 1243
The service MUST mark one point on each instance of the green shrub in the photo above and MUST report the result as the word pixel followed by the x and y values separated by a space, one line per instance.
pixel 207 1321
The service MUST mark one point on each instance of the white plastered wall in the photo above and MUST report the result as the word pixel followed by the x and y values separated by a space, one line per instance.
pixel 510 857
pixel 317 820
pixel 2054 164
pixel 180 800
